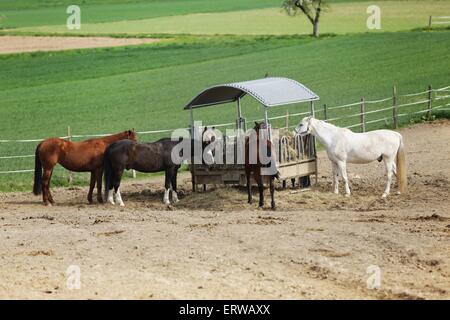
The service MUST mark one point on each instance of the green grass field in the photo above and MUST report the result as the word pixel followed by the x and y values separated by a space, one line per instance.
pixel 32 13
pixel 145 87
pixel 234 18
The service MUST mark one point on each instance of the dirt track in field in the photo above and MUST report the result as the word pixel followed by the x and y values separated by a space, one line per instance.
pixel 214 245
pixel 17 44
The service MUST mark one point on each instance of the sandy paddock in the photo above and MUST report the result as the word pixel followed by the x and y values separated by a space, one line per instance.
pixel 214 245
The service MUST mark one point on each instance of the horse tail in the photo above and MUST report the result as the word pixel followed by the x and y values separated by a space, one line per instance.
pixel 107 172
pixel 37 187
pixel 401 167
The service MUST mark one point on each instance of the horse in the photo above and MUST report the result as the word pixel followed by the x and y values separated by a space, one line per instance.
pixel 209 137
pixel 83 156
pixel 142 157
pixel 344 146
pixel 253 164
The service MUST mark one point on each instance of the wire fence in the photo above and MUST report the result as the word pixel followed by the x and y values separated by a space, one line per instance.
pixel 367 112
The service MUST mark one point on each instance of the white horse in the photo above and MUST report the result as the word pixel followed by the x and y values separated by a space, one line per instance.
pixel 344 146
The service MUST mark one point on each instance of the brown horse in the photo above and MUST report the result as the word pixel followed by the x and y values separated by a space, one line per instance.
pixel 84 156
pixel 253 164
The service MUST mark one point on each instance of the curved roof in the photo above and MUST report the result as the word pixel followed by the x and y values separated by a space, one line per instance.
pixel 270 92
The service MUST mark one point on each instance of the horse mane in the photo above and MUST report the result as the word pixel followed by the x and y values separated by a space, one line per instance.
pixel 330 125
pixel 114 137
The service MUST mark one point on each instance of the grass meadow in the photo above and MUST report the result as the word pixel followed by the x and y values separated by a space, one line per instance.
pixel 145 87
pixel 266 18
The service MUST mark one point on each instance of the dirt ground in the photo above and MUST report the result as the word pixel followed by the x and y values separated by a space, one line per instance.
pixel 16 44
pixel 317 245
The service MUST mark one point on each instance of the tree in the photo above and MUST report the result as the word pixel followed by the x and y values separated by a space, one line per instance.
pixel 312 9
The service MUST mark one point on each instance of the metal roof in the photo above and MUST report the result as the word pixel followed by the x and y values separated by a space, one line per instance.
pixel 270 92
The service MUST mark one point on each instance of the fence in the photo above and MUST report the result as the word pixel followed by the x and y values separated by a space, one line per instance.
pixel 440 20
pixel 367 113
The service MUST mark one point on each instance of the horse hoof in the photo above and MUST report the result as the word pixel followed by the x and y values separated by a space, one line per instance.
pixel 167 203
pixel 111 203
pixel 384 196
pixel 100 200
pixel 347 195
pixel 122 204
pixel 398 193
pixel 48 204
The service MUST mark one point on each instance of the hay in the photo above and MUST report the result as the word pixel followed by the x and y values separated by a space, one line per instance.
pixel 292 153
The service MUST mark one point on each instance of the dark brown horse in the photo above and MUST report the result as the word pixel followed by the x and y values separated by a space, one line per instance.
pixel 142 157
pixel 84 156
pixel 253 163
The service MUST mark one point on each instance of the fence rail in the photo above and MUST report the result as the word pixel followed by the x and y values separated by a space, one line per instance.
pixel 360 115
pixel 438 20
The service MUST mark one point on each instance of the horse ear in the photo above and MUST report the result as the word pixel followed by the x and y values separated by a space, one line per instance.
pixel 129 132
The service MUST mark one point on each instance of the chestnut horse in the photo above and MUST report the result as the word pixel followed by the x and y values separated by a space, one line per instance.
pixel 83 156
pixel 253 164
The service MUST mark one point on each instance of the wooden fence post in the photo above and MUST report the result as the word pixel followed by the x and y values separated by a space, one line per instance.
pixel 69 137
pixel 363 115
pixel 286 120
pixel 325 115
pixel 394 107
pixel 429 21
pixel 430 103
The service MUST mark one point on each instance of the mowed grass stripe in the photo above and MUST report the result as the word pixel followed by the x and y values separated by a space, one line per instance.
pixel 339 18
pixel 27 14
pixel 33 69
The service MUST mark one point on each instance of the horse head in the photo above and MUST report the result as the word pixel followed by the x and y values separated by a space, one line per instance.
pixel 209 136
pixel 131 135
pixel 304 127
pixel 259 125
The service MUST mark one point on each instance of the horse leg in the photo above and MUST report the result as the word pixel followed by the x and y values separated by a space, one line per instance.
pixel 389 165
pixel 249 186
pixel 343 171
pixel 335 172
pixel 50 197
pixel 272 193
pixel 46 196
pixel 261 190
pixel 116 183
pixel 109 186
pixel 293 183
pixel 99 174
pixel 167 188
pixel 91 187
pixel 173 182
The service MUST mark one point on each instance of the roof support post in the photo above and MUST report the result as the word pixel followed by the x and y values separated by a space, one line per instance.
pixel 191 115
pixel 313 112
pixel 239 115
pixel 266 120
